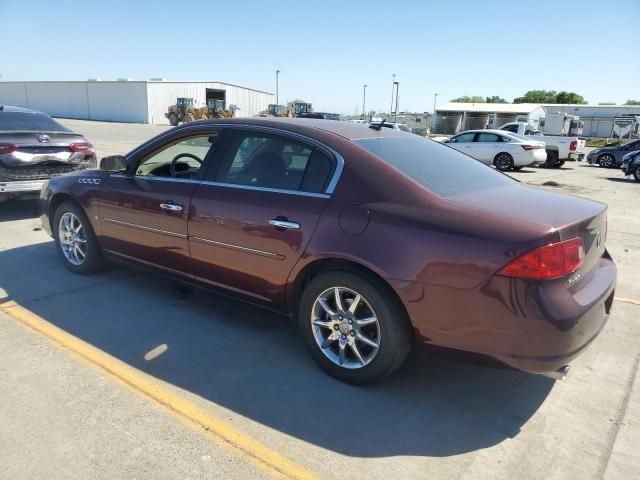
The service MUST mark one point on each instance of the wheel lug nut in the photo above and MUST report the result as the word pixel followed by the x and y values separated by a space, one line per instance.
pixel 336 327
pixel 353 334
pixel 340 317
pixel 344 336
pixel 350 322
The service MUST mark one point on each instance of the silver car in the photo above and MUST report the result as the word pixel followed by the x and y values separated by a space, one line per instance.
pixel 34 147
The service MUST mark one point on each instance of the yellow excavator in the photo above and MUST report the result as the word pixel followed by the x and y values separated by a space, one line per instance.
pixel 293 109
pixel 184 111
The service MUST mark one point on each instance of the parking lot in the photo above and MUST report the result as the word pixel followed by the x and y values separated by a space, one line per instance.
pixel 235 395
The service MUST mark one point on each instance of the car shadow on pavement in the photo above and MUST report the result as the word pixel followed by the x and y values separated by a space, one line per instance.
pixel 13 209
pixel 251 361
pixel 622 180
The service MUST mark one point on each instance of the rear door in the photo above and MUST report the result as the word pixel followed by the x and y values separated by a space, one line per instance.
pixel 487 145
pixel 144 213
pixel 254 214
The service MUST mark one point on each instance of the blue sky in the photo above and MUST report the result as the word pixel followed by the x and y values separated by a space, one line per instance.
pixel 326 50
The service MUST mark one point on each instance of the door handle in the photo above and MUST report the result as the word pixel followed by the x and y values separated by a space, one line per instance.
pixel 171 207
pixel 284 224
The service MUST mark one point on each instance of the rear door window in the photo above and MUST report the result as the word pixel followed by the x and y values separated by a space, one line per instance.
pixel 487 137
pixel 273 161
pixel 441 169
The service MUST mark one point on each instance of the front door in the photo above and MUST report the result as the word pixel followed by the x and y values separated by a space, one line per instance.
pixel 253 217
pixel 144 214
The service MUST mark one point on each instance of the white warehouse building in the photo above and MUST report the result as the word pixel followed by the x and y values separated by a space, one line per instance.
pixel 127 100
pixel 599 120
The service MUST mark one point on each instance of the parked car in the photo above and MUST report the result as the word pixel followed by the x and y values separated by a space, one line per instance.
pixel 631 164
pixel 559 148
pixel 364 235
pixel 33 148
pixel 498 148
pixel 610 157
pixel 320 115
pixel 393 126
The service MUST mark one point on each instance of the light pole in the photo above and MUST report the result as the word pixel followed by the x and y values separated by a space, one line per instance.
pixel 393 86
pixel 277 73
pixel 364 100
pixel 395 113
pixel 435 97
pixel 433 118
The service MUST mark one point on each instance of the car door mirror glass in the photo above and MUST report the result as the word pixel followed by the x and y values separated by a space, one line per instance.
pixel 113 163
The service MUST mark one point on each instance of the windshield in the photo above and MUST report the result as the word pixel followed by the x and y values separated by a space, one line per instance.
pixel 29 122
pixel 437 167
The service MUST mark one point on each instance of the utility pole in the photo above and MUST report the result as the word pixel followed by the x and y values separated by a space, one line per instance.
pixel 435 97
pixel 364 100
pixel 277 73
pixel 433 118
pixel 393 86
pixel 395 114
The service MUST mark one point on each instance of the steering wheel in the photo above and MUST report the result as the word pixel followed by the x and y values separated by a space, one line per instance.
pixel 172 165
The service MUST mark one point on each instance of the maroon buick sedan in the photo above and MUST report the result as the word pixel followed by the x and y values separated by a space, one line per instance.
pixel 373 239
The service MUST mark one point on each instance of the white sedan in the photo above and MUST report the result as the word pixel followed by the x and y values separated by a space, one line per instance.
pixel 499 148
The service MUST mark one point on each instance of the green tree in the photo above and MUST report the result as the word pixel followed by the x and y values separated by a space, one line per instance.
pixel 537 96
pixel 570 98
pixel 496 99
pixel 632 102
pixel 468 99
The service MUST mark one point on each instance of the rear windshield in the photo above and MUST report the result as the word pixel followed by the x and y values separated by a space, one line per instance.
pixel 437 167
pixel 20 121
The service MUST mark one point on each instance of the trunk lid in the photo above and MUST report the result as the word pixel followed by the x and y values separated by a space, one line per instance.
pixel 551 216
pixel 39 147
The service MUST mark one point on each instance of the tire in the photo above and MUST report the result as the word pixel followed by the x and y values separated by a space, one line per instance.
pixel 387 327
pixel 636 173
pixel 92 261
pixel 560 163
pixel 173 119
pixel 552 159
pixel 606 160
pixel 503 161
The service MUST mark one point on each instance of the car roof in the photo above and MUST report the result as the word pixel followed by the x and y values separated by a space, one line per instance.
pixel 11 108
pixel 347 130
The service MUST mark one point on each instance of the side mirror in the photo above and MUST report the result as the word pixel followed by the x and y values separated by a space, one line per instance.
pixel 113 163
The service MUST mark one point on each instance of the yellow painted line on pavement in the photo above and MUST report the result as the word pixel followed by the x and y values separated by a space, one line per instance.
pixel 270 461
pixel 627 300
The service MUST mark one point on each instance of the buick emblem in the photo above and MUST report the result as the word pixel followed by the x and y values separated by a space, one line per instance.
pixel 44 138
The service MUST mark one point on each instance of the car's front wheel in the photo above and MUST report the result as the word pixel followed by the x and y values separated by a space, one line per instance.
pixel 636 173
pixel 353 326
pixel 75 240
pixel 606 160
pixel 503 162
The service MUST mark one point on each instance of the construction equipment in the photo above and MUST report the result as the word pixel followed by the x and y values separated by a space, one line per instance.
pixel 215 109
pixel 278 110
pixel 183 111
pixel 298 107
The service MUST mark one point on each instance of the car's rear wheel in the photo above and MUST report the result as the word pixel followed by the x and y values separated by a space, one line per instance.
pixel 636 173
pixel 353 326
pixel 503 161
pixel 75 240
pixel 552 159
pixel 606 160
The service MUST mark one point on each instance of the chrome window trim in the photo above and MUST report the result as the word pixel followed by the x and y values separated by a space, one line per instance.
pixel 146 229
pixel 266 189
pixel 160 179
pixel 276 131
pixel 236 247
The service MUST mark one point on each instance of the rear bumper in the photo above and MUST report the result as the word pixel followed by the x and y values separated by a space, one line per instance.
pixel 536 327
pixel 23 186
pixel 576 156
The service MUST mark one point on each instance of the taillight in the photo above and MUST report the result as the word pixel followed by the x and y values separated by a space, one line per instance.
pixel 573 145
pixel 551 261
pixel 532 147
pixel 8 148
pixel 84 147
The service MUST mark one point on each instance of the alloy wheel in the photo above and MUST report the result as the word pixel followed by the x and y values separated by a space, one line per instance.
pixel 72 239
pixel 345 327
pixel 606 161
pixel 503 161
